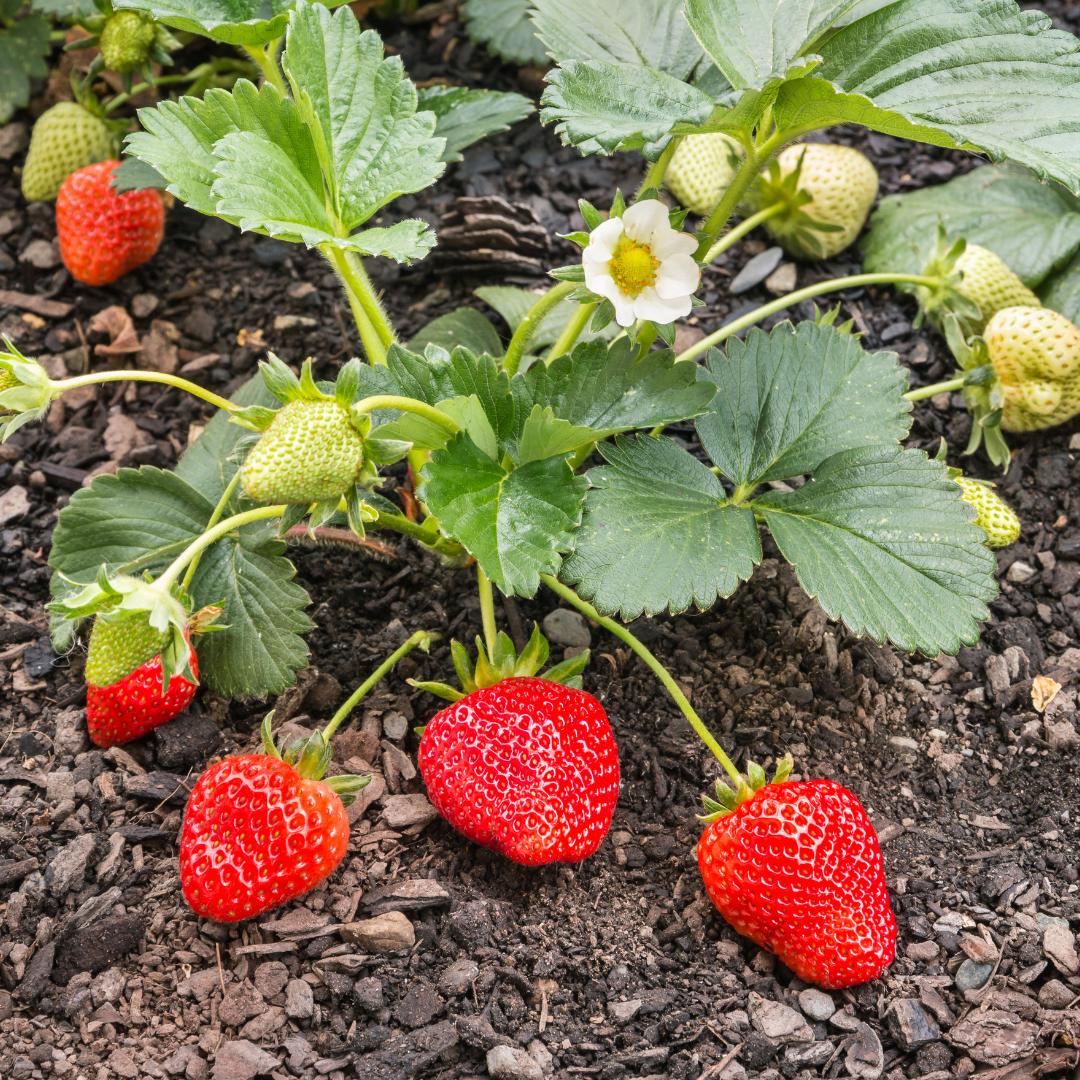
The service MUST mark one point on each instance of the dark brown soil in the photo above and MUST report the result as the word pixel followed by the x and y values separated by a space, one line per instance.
pixel 617 966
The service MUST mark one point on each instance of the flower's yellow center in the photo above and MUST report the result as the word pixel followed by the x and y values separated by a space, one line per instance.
pixel 633 266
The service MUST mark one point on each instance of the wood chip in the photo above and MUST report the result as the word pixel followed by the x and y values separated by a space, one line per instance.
pixel 51 309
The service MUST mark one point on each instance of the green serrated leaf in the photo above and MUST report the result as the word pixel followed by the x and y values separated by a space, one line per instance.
pixel 135 175
pixel 601 107
pixel 1061 291
pixel 71 10
pixel 469 415
pixel 883 539
pixel 465 116
pixel 23 47
pixel 140 519
pixel 465 326
pixel 1034 227
pixel 963 73
pixel 790 398
pixel 504 26
pixel 652 33
pixel 237 22
pixel 546 436
pixel 515 524
pixel 658 532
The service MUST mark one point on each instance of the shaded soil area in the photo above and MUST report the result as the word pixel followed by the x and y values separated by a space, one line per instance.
pixel 615 967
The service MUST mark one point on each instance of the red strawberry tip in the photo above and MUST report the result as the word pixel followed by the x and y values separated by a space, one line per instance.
pixel 311 758
pixel 504 663
pixel 728 800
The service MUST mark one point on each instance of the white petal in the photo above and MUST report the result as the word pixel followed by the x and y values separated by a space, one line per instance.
pixel 652 307
pixel 674 244
pixel 603 238
pixel 624 308
pixel 678 275
pixel 602 283
pixel 647 222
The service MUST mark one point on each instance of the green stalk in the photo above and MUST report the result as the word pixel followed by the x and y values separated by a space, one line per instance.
pixel 163 80
pixel 421 638
pixel 400 523
pixel 791 299
pixel 215 517
pixel 265 57
pixel 375 330
pixel 655 176
pixel 531 323
pixel 935 388
pixel 657 668
pixel 645 339
pixel 571 332
pixel 201 543
pixel 125 375
pixel 741 230
pixel 410 405
pixel 487 611
pixel 731 198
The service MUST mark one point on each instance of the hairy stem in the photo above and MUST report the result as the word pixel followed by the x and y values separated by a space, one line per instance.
pixel 410 405
pixel 201 543
pixel 400 523
pixel 571 332
pixel 487 611
pixel 421 638
pixel 531 323
pixel 655 176
pixel 657 668
pixel 265 57
pixel 935 388
pixel 797 297
pixel 215 517
pixel 371 322
pixel 741 230
pixel 124 375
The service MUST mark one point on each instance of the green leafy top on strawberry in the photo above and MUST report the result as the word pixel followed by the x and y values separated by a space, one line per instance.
pixel 25 390
pixel 728 800
pixel 504 663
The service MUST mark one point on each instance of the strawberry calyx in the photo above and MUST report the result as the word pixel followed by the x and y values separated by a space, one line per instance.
pixel 772 189
pixel 946 298
pixel 504 663
pixel 728 800
pixel 25 390
pixel 311 758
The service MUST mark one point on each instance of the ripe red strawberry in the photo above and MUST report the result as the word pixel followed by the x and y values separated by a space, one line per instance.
pixel 124 698
pixel 103 235
pixel 796 868
pixel 256 834
pixel 527 768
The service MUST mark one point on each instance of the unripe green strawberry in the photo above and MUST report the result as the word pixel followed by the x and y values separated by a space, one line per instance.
pixel 843 184
pixel 126 40
pixel 310 453
pixel 995 516
pixel 66 138
pixel 119 646
pixel 1036 355
pixel 701 170
pixel 989 283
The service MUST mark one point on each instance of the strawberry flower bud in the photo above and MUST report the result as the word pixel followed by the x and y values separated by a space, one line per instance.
pixel 642 265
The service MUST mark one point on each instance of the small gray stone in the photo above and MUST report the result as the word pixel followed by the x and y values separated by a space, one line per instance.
pixel 865 1057
pixel 107 987
pixel 1056 995
pixel 299 1000
pixel 121 1063
pixel 13 140
pixel 457 978
pixel 369 994
pixel 200 985
pixel 419 1005
pixel 59 787
pixel 68 868
pixel 512 1063
pixel 809 1054
pixel 383 934
pixel 42 255
pixel 816 1005
pixel 240 1004
pixel 622 1012
pixel 266 1023
pixel 567 628
pixel 542 1056
pixel 242 1060
pixel 756 270
pixel 395 726
pixel 71 736
pixel 972 976
pixel 778 1022
pixel 658 847
pixel 403 811
pixel 910 1026
pixel 176 1063
pixel 271 978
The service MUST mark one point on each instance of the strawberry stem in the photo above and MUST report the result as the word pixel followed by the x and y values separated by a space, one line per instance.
pixel 423 638
pixel 936 388
pixel 531 323
pixel 215 517
pixel 200 544
pixel 657 668
pixel 655 176
pixel 371 321
pixel 487 611
pixel 571 332
pixel 265 57
pixel 741 230
pixel 404 404
pixel 808 293
pixel 56 388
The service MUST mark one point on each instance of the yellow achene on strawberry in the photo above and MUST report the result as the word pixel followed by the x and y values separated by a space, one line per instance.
pixel 989 283
pixel 1036 355
pixel 994 513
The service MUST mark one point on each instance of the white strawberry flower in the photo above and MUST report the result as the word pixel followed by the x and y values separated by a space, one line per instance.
pixel 642 265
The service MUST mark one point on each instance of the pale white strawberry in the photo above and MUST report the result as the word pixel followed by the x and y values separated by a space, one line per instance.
pixel 701 170
pixel 990 283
